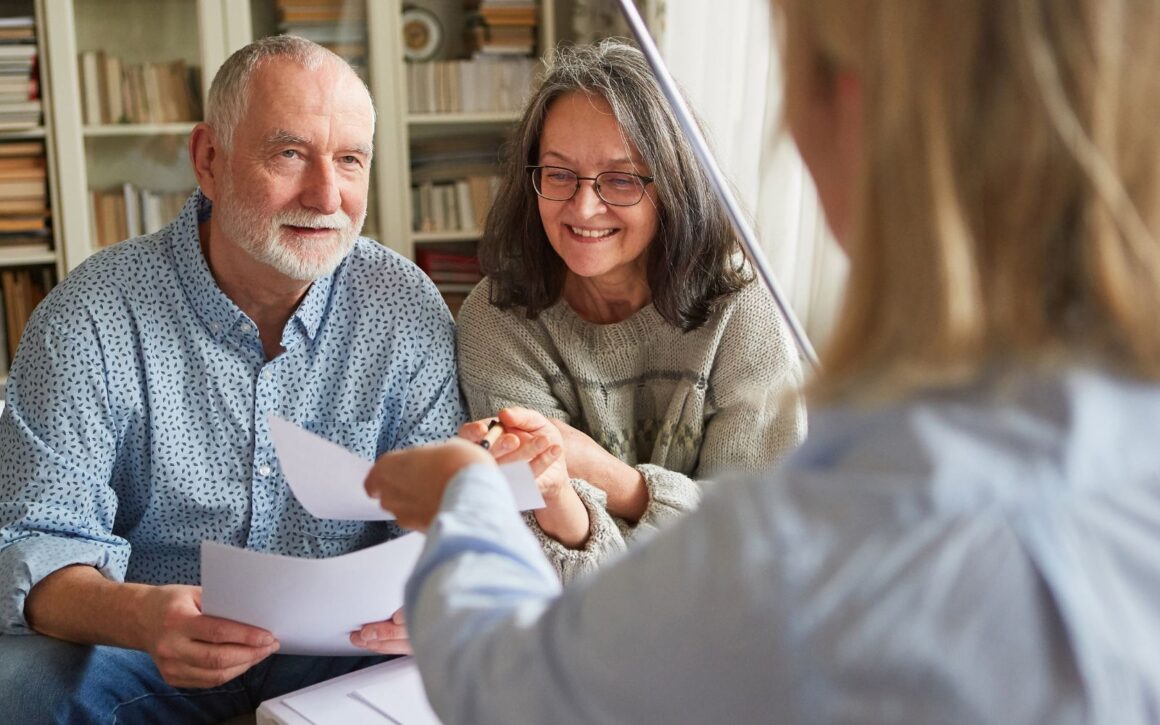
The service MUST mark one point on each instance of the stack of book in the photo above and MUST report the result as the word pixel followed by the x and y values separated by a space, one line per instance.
pixel 484 84
pixel 454 271
pixel 449 267
pixel 503 27
pixel 114 91
pixel 453 182
pixel 339 25
pixel 24 210
pixel 19 85
pixel 21 290
pixel 129 211
pixel 457 205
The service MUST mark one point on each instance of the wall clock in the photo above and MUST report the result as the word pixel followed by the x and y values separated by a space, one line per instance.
pixel 422 34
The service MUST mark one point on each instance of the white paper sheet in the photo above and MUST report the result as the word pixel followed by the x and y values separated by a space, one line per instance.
pixel 399 694
pixel 390 692
pixel 328 479
pixel 310 605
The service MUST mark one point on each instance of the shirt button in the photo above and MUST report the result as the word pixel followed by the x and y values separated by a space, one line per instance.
pixel 244 327
pixel 266 374
pixel 264 470
pixel 215 327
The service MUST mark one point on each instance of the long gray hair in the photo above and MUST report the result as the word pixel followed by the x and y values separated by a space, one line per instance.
pixel 694 258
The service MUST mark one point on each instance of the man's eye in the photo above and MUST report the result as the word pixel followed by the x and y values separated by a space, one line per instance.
pixel 289 153
pixel 350 160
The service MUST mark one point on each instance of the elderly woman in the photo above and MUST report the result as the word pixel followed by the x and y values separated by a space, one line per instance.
pixel 970 533
pixel 617 305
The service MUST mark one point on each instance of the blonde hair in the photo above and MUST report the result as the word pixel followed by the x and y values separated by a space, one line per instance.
pixel 1009 189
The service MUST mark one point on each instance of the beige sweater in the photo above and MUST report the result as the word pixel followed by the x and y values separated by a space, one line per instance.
pixel 677 406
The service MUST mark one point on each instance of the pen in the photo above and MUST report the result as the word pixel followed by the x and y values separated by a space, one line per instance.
pixel 494 431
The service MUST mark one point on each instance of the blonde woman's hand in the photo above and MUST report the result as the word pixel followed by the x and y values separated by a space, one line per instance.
pixel 410 483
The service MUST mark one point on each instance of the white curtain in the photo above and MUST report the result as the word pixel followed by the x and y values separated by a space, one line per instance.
pixel 723 56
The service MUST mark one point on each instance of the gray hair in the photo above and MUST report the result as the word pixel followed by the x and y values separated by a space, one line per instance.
pixel 230 91
pixel 692 262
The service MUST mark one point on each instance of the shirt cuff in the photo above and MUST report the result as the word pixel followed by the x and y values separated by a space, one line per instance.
pixel 671 495
pixel 24 563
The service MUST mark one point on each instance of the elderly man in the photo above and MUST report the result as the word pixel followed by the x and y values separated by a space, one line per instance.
pixel 136 421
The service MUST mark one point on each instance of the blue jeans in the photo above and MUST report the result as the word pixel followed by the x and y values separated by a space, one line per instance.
pixel 46 680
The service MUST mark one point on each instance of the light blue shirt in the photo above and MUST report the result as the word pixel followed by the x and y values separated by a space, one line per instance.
pixel 990 554
pixel 136 418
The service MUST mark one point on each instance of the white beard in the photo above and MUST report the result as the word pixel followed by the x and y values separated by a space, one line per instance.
pixel 267 242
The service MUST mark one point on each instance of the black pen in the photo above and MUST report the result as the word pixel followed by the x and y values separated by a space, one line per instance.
pixel 494 431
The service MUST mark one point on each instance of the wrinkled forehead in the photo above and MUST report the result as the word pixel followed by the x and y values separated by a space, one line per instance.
pixel 284 94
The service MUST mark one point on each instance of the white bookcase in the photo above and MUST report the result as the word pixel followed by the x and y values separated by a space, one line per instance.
pixel 37 253
pixel 104 155
pixel 83 155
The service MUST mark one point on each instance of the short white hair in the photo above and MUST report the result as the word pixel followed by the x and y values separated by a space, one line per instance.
pixel 230 90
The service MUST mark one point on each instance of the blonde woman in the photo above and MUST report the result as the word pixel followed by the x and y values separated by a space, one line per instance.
pixel 970 532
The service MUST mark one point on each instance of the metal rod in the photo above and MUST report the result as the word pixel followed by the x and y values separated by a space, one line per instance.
pixel 744 232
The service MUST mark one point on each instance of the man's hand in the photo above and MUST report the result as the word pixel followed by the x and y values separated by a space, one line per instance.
pixel 78 604
pixel 192 649
pixel 385 638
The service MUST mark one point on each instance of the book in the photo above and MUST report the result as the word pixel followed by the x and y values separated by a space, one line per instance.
pixel 21 148
pixel 90 62
pixel 112 85
pixel 22 189
pixel 26 207
pixel 20 247
pixel 23 289
pixel 4 359
pixel 22 223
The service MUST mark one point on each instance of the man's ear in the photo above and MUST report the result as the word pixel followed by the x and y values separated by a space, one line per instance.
pixel 206 157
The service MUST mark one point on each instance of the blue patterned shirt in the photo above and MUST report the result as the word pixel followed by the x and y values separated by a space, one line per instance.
pixel 136 418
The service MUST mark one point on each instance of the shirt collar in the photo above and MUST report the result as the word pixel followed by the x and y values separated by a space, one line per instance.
pixel 213 307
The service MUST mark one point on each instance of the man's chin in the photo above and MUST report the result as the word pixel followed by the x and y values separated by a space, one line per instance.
pixel 310 269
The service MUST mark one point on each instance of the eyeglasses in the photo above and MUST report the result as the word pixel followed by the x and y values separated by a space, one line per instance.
pixel 618 188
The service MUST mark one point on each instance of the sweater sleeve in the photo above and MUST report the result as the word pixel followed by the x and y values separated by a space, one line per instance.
pixel 605 537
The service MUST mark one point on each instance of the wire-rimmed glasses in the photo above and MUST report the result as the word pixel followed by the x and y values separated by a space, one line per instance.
pixel 618 188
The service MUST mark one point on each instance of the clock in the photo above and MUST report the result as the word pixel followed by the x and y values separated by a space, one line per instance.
pixel 422 34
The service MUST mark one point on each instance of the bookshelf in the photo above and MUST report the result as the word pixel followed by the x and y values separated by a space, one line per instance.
pixel 105 165
pixel 131 77
pixel 30 261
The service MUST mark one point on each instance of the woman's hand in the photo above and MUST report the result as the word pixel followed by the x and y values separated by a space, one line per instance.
pixel 388 637
pixel 529 436
pixel 627 493
pixel 410 483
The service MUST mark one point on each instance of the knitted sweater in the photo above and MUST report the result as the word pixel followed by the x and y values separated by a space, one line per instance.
pixel 678 406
